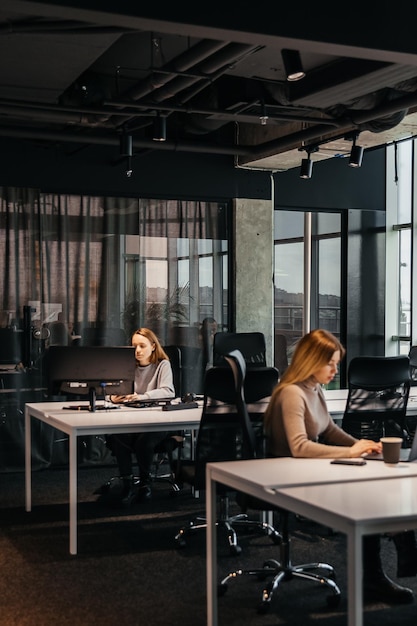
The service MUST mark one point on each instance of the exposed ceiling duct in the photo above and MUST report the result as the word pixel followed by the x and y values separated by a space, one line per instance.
pixel 85 76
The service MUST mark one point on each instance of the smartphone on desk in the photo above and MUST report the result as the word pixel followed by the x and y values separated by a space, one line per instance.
pixel 348 462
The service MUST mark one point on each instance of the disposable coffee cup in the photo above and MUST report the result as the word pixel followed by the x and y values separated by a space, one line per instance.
pixel 391 447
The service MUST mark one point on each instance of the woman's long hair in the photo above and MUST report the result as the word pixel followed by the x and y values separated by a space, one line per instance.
pixel 159 353
pixel 313 351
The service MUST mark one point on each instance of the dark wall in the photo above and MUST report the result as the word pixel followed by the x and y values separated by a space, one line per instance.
pixel 158 174
pixel 335 185
pixel 98 170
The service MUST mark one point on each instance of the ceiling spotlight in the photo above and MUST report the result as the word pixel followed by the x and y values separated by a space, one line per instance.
pixel 159 128
pixel 306 169
pixel 263 118
pixel 356 154
pixel 126 145
pixel 292 63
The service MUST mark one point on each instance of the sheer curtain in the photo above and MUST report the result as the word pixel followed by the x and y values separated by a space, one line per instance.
pixel 84 270
pixel 114 263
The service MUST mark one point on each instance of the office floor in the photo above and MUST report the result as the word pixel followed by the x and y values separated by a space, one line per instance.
pixel 128 570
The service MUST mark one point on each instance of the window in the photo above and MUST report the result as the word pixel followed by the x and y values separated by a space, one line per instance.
pixel 293 271
pixel 400 216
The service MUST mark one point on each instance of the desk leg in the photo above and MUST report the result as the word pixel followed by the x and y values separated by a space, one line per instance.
pixel 28 461
pixel 211 550
pixel 355 599
pixel 73 493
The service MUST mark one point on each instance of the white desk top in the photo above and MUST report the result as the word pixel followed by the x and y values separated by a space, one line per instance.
pixel 114 420
pixel 291 472
pixel 360 502
pixel 370 495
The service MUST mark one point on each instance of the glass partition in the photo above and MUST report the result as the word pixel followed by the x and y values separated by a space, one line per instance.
pixel 102 267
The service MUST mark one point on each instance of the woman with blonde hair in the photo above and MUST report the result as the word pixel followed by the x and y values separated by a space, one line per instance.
pixel 153 381
pixel 298 424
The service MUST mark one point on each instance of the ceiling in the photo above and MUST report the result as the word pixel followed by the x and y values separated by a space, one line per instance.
pixel 74 76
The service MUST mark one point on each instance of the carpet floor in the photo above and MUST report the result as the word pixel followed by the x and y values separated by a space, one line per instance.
pixel 129 570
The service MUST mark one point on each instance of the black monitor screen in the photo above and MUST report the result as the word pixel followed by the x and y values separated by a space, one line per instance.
pixel 77 369
pixel 11 346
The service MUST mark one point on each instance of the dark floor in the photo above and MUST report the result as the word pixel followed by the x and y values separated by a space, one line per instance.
pixel 129 571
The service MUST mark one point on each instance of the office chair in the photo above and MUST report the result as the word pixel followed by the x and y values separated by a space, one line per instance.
pixel 251 345
pixel 280 352
pixel 412 355
pixel 58 334
pixel 164 462
pixel 225 434
pixel 259 385
pixel 378 390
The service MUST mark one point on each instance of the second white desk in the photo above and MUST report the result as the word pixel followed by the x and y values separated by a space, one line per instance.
pixel 82 423
pixel 355 500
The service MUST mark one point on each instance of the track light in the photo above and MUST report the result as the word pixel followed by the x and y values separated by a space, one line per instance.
pixel 263 118
pixel 292 63
pixel 306 169
pixel 159 128
pixel 126 145
pixel 126 150
pixel 356 154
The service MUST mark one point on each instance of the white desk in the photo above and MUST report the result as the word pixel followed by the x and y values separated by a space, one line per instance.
pixel 79 423
pixel 82 423
pixel 355 500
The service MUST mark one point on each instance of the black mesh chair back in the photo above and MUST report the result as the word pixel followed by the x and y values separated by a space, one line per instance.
pixel 58 334
pixel 378 389
pixel 251 345
pixel 258 387
pixel 175 358
pixel 225 434
pixel 412 355
pixel 280 352
pixel 225 431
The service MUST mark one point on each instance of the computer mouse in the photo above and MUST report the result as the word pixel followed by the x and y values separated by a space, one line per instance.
pixel 188 397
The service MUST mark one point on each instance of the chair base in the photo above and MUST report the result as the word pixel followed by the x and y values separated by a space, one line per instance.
pixel 166 476
pixel 230 524
pixel 283 571
pixel 114 484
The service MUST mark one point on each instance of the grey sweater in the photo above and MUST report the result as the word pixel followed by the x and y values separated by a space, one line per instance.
pixel 155 381
pixel 302 427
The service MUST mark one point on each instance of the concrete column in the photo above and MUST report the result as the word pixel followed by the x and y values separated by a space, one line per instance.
pixel 253 269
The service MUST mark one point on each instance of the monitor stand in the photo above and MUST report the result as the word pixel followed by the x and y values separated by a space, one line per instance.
pixel 92 399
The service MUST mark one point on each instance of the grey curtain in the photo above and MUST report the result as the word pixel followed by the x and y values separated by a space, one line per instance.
pixel 100 267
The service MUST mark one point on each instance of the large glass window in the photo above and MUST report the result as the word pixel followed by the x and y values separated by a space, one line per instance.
pixel 307 257
pixel 401 325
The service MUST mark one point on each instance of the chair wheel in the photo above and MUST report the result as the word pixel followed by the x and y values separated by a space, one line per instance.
pixel 263 608
pixel 235 550
pixel 333 600
pixel 180 541
pixel 269 567
pixel 221 589
pixel 276 538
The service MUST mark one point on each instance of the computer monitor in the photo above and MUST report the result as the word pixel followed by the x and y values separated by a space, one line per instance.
pixel 11 346
pixel 90 370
